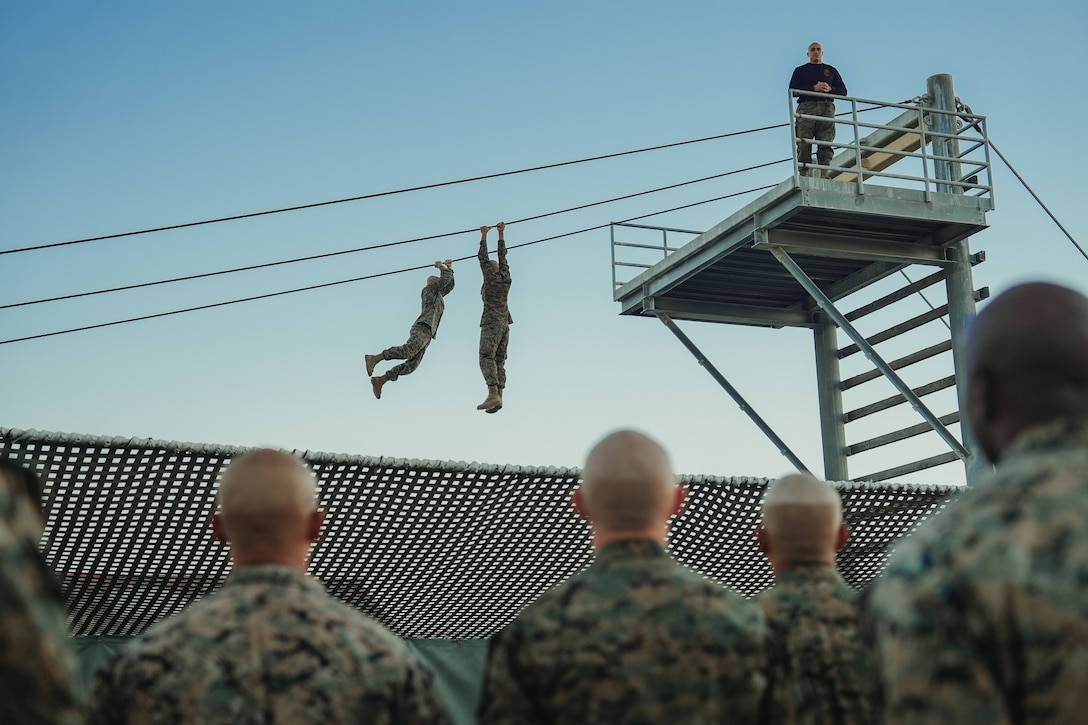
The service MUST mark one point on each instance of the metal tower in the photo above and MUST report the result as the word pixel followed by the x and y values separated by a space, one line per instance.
pixel 908 185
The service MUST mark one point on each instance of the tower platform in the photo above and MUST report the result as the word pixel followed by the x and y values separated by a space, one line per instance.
pixel 844 240
pixel 907 193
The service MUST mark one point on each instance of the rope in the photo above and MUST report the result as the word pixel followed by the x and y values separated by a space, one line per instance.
pixel 326 255
pixel 359 279
pixel 389 193
pixel 1037 199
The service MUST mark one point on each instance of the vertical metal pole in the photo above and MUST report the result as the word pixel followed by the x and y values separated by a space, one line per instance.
pixel 828 385
pixel 612 234
pixel 828 307
pixel 793 137
pixel 959 285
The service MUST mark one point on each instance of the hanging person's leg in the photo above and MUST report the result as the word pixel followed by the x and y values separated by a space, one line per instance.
pixel 411 352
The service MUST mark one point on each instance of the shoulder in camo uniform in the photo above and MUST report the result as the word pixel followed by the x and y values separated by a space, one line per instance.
pixel 271 645
pixel 982 615
pixel 37 669
pixel 636 637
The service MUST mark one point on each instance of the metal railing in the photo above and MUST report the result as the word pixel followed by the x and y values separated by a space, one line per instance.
pixel 966 152
pixel 648 254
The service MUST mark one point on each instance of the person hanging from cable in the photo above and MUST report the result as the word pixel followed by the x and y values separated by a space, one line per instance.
pixel 495 321
pixel 424 329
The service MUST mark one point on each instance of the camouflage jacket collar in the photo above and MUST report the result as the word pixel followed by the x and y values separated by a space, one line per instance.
pixel 629 550
pixel 1062 433
pixel 809 573
pixel 272 575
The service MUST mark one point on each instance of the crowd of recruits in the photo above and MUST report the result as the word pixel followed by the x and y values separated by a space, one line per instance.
pixel 981 615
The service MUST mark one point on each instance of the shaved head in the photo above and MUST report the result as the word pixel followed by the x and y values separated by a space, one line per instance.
pixel 1028 361
pixel 628 484
pixel 802 522
pixel 267 507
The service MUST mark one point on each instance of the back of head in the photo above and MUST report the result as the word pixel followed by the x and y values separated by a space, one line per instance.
pixel 1028 352
pixel 267 506
pixel 802 521
pixel 628 484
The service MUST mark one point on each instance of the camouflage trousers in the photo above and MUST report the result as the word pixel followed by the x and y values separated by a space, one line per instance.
pixel 410 352
pixel 809 129
pixel 494 335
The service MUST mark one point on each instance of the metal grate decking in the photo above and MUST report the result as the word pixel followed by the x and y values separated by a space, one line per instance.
pixel 841 239
pixel 429 548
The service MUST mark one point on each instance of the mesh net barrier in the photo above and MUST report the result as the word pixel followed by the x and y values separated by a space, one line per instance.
pixel 432 549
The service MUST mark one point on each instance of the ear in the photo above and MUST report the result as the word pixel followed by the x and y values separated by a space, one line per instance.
pixel 579 502
pixel 763 541
pixel 841 537
pixel 679 497
pixel 315 527
pixel 219 532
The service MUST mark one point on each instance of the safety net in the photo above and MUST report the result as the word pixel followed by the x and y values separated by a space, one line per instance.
pixel 432 549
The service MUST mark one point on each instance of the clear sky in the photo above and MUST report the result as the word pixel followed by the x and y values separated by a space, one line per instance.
pixel 119 116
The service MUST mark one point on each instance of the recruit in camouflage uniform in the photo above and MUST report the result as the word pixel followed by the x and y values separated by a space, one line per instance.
pixel 634 638
pixel 424 329
pixel 270 646
pixel 495 321
pixel 822 667
pixel 37 670
pixel 982 616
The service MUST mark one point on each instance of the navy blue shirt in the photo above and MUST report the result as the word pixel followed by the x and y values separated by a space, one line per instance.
pixel 805 77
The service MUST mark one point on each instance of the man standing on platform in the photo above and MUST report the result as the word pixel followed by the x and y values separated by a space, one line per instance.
pixel 821 664
pixel 818 77
pixel 270 646
pixel 982 615
pixel 424 329
pixel 636 637
pixel 495 321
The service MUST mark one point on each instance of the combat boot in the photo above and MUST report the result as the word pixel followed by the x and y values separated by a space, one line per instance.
pixel 498 407
pixel 376 385
pixel 372 362
pixel 494 400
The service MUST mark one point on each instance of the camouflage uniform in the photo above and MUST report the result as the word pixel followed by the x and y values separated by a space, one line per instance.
pixel 424 329
pixel 496 320
pixel 821 668
pixel 37 670
pixel 809 129
pixel 270 647
pixel 635 638
pixel 982 615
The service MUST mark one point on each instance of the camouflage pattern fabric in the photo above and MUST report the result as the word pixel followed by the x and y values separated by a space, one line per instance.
pixel 269 647
pixel 635 638
pixel 494 338
pixel 982 615
pixel 495 320
pixel 822 669
pixel 411 352
pixel 37 670
pixel 809 129
pixel 496 286
pixel 432 304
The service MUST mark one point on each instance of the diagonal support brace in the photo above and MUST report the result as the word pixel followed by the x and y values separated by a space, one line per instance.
pixel 733 392
pixel 828 306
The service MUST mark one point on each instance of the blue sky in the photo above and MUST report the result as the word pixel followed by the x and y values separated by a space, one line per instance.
pixel 121 116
